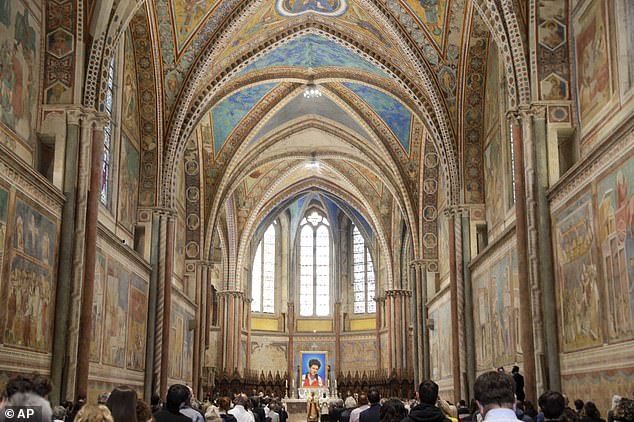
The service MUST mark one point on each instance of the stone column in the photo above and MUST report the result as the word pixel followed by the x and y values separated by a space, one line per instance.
pixel 337 329
pixel 521 230
pixel 290 317
pixel 90 255
pixel 421 333
pixel 222 318
pixel 455 323
pixel 468 304
pixel 151 381
pixel 209 305
pixel 64 276
pixel 416 355
pixel 246 308
pixel 398 331
pixel 545 250
pixel 79 240
pixel 198 317
pixel 422 270
pixel 166 221
pixel 230 333
pixel 389 299
pixel 380 301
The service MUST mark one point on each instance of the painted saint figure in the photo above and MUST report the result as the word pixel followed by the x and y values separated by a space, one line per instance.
pixel 312 378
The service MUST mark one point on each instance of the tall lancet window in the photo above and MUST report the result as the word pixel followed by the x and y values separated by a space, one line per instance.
pixel 106 165
pixel 314 284
pixel 363 275
pixel 263 274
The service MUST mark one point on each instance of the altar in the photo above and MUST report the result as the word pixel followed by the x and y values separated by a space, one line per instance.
pixel 296 407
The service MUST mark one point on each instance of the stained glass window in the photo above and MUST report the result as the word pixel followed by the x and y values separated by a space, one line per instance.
pixel 363 275
pixel 107 137
pixel 314 290
pixel 263 274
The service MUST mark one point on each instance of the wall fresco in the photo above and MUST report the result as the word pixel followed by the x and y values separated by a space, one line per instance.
pixel 98 298
pixel 19 68
pixel 116 311
pixel 615 196
pixel 592 48
pixel 440 339
pixel 4 214
pixel 128 184
pixel 28 293
pixel 577 271
pixel 137 323
pixel 269 356
pixel 129 99
pixel 496 301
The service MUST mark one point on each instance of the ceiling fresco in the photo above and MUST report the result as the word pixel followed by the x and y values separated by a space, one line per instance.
pixel 312 51
pixel 269 20
pixel 187 16
pixel 374 180
pixel 322 106
pixel 432 16
pixel 186 28
pixel 228 113
pixel 391 110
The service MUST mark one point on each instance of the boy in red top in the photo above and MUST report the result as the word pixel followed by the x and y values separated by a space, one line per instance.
pixel 312 378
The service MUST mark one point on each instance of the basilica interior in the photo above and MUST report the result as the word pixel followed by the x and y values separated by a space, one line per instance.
pixel 208 192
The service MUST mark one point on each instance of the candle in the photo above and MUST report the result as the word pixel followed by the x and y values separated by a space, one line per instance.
pixel 286 383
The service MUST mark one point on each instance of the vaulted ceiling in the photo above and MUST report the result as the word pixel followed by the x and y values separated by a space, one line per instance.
pixel 386 133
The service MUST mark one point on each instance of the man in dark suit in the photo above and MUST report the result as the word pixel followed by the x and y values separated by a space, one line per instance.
pixel 519 383
pixel 176 396
pixel 373 414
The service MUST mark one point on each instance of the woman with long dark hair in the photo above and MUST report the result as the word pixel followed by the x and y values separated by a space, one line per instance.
pixel 591 413
pixel 122 404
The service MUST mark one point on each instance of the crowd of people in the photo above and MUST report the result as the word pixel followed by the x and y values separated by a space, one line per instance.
pixel 496 399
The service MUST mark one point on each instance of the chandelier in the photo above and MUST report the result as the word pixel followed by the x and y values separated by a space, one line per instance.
pixel 311 91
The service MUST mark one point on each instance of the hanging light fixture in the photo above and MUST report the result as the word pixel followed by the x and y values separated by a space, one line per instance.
pixel 311 91
pixel 313 163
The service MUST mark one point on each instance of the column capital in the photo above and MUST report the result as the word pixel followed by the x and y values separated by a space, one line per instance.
pixel 398 292
pixel 533 111
pixel 425 264
pixel 379 299
pixel 457 210
pixel 163 211
pixel 232 293
pixel 513 116
pixel 204 263
pixel 98 119
pixel 416 263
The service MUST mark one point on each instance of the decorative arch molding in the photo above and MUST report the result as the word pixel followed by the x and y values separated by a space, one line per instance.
pixel 505 31
pixel 381 163
pixel 185 118
pixel 107 27
pixel 350 195
pixel 146 53
pixel 232 241
pixel 224 250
